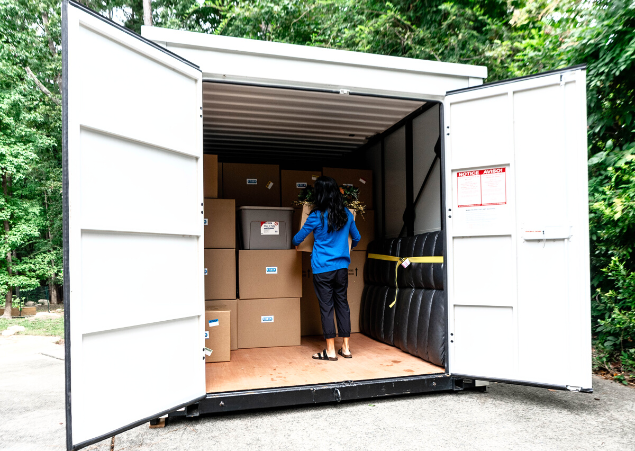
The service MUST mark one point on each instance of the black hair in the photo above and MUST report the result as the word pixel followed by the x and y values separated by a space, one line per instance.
pixel 328 198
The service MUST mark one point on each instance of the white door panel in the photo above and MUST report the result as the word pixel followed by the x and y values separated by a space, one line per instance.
pixel 134 257
pixel 517 231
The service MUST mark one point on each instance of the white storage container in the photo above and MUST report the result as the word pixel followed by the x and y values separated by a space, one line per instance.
pixel 503 166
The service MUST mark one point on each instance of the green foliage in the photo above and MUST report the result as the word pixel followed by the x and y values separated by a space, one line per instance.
pixel 350 195
pixel 612 223
pixel 30 143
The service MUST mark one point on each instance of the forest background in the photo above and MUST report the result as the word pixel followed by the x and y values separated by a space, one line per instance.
pixel 511 37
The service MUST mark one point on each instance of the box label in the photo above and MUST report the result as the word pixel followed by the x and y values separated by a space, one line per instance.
pixel 207 351
pixel 314 177
pixel 266 319
pixel 205 222
pixel 269 228
pixel 405 263
pixel 271 270
pixel 362 181
pixel 347 184
pixel 252 181
pixel 206 334
pixel 205 271
pixel 269 185
pixel 300 185
pixel 213 322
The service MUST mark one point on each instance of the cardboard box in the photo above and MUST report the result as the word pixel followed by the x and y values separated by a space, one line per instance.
pixel 220 180
pixel 219 219
pixel 266 323
pixel 356 286
pixel 293 182
pixel 232 306
pixel 366 227
pixel 252 184
pixel 269 274
pixel 220 274
pixel 361 178
pixel 311 322
pixel 217 335
pixel 210 176
pixel 310 319
pixel 307 244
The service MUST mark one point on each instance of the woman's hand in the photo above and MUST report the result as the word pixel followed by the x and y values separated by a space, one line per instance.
pixel 296 248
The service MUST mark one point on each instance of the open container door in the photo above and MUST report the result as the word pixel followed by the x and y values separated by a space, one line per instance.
pixel 133 266
pixel 517 230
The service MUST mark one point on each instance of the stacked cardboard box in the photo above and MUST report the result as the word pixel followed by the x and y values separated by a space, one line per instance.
pixel 293 182
pixel 252 184
pixel 311 322
pixel 269 287
pixel 219 219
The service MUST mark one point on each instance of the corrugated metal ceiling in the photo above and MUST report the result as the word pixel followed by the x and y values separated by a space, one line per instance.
pixel 241 120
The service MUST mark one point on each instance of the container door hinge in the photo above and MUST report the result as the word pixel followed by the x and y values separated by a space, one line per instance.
pixel 573 388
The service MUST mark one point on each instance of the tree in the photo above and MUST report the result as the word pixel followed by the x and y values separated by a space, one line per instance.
pixel 30 129
pixel 147 13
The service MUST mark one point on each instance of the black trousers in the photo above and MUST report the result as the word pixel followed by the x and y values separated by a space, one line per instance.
pixel 330 288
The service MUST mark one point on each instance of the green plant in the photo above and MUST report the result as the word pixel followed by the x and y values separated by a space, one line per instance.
pixel 350 194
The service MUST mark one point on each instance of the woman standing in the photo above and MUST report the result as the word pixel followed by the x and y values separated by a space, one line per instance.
pixel 331 223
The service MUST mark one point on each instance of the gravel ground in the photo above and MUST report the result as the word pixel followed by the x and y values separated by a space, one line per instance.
pixel 506 417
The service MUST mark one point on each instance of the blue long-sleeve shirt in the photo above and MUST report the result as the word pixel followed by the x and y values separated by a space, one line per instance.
pixel 330 250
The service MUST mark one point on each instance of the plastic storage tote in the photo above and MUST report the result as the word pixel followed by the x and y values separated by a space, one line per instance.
pixel 266 227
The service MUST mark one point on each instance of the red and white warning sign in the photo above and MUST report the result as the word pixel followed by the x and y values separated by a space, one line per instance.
pixel 482 187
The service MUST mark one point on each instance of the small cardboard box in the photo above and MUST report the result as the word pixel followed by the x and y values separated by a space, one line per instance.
pixel 293 182
pixel 356 286
pixel 252 184
pixel 361 178
pixel 269 274
pixel 366 227
pixel 219 223
pixel 307 244
pixel 220 274
pixel 210 176
pixel 232 306
pixel 267 323
pixel 217 335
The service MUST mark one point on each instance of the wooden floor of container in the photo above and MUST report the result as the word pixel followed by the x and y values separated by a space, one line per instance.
pixel 287 366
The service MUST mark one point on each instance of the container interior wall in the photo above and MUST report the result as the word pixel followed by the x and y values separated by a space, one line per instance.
pixel 428 205
pixel 390 177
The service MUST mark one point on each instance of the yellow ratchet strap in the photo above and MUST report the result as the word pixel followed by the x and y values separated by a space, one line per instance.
pixel 400 260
